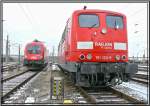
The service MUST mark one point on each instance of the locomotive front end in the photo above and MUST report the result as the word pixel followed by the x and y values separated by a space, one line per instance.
pixel 94 48
pixel 34 55
pixel 102 49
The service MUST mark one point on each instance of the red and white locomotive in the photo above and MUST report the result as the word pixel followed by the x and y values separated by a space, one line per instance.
pixel 94 48
pixel 35 55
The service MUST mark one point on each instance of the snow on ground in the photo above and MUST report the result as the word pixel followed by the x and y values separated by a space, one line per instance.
pixel 142 72
pixel 139 91
pixel 30 100
pixel 145 66
pixel 55 67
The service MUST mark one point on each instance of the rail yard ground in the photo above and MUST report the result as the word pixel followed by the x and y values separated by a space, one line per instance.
pixel 37 91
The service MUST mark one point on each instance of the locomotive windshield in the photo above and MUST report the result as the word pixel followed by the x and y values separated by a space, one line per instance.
pixel 34 49
pixel 114 21
pixel 88 20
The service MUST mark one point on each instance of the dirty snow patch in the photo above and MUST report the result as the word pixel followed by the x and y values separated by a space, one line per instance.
pixel 30 100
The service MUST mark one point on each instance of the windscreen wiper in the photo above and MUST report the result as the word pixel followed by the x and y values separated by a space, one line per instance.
pixel 92 26
pixel 116 25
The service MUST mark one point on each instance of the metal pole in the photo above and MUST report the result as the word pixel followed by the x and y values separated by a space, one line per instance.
pixel 144 57
pixel 1 43
pixel 133 59
pixel 50 57
pixel 53 53
pixel 7 50
pixel 19 55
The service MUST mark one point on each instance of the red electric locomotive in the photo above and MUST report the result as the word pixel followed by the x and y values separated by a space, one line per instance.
pixel 94 48
pixel 35 55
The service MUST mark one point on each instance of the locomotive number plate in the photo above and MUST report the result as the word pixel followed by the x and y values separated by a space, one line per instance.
pixel 103 57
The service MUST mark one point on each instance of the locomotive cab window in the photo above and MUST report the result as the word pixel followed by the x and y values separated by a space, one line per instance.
pixel 34 49
pixel 114 22
pixel 89 20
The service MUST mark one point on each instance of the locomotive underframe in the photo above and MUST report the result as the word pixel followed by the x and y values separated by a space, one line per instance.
pixel 98 74
pixel 35 63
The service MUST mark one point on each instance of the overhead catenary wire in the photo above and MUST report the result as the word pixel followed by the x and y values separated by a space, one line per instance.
pixel 26 15
pixel 12 43
pixel 138 11
pixel 32 19
pixel 138 20
pixel 130 13
pixel 30 13
pixel 133 21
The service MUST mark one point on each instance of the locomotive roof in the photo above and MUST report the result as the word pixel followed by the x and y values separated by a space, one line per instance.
pixel 97 10
pixel 37 43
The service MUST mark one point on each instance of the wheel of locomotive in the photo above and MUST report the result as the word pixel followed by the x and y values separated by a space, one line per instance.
pixel 72 77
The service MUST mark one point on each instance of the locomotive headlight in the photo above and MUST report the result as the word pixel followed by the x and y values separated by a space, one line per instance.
pixel 104 30
pixel 82 56
pixel 123 57
pixel 94 33
pixel 89 56
pixel 117 57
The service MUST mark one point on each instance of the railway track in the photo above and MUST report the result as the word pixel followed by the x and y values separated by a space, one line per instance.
pixel 13 76
pixel 103 95
pixel 143 67
pixel 142 78
pixel 10 85
pixel 8 67
pixel 107 95
pixel 143 74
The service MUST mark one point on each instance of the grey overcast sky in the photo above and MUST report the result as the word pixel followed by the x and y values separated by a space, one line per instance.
pixel 25 22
